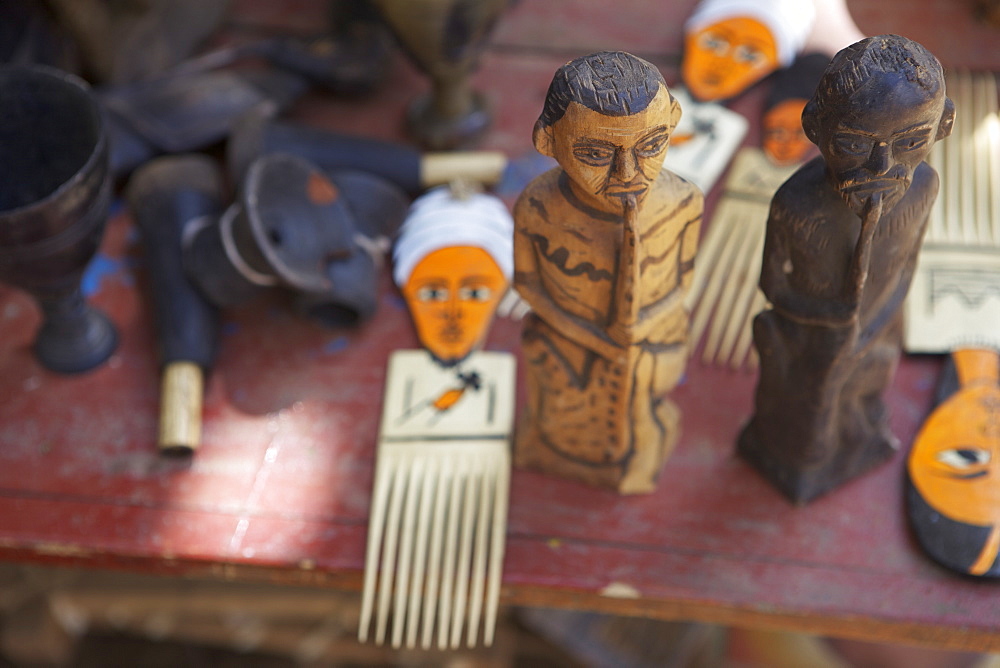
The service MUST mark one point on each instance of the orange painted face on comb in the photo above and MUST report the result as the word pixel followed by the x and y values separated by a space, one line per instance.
pixel 452 294
pixel 955 462
pixel 725 58
pixel 785 142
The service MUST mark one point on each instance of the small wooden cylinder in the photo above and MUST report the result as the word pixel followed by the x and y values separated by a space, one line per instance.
pixel 484 167
pixel 182 388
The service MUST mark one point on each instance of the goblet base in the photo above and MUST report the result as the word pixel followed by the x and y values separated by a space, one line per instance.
pixel 76 346
pixel 436 132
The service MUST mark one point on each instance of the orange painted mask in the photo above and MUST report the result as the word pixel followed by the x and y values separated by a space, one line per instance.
pixel 725 58
pixel 955 461
pixel 784 141
pixel 452 294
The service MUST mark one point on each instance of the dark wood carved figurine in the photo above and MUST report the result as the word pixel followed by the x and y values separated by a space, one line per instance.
pixel 603 251
pixel 841 245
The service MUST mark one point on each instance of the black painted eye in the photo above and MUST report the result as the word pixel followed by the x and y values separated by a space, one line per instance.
pixel 962 458
pixel 652 147
pixel 593 155
pixel 432 294
pixel 748 55
pixel 714 43
pixel 475 294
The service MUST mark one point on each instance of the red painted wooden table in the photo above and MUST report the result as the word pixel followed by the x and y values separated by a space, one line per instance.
pixel 280 489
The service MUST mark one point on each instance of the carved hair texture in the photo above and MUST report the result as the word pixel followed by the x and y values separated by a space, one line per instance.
pixel 613 83
pixel 855 66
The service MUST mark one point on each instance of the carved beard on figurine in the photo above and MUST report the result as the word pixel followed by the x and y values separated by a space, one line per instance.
pixel 453 264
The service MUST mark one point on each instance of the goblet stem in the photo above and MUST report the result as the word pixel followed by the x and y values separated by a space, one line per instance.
pixel 452 97
pixel 74 336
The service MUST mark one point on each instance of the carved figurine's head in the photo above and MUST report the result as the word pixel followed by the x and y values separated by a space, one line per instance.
pixel 877 111
pixel 607 121
pixel 730 45
pixel 453 262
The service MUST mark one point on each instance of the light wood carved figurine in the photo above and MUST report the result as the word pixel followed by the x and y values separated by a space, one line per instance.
pixel 604 249
pixel 839 254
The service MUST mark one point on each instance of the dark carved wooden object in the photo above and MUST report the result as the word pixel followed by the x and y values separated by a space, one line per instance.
pixel 445 38
pixel 841 246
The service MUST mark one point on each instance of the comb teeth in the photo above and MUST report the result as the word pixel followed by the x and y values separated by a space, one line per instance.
pixel 438 524
pixel 436 544
pixel 724 297
pixel 954 298
pixel 967 210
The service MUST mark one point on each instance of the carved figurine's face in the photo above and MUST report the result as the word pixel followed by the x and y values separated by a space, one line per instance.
pixel 785 142
pixel 955 463
pixel 611 159
pixel 724 59
pixel 873 147
pixel 452 294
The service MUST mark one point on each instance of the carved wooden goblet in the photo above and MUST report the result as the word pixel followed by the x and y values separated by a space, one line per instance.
pixel 53 207
pixel 444 39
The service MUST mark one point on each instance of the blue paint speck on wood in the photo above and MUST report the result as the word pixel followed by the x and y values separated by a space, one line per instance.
pixel 336 345
pixel 99 268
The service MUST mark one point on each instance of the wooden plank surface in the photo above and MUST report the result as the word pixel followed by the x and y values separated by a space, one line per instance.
pixel 280 489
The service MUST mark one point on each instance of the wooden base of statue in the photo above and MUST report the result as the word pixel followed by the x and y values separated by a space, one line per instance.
pixel 834 426
pixel 603 424
pixel 805 482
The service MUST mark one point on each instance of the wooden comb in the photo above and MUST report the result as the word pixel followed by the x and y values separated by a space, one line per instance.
pixel 437 527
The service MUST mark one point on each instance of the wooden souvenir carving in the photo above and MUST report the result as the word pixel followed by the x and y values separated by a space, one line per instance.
pixel 54 201
pixel 954 495
pixel 604 249
pixel 724 296
pixel 954 307
pixel 453 262
pixel 783 139
pixel 729 45
pixel 840 249
pixel 436 534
